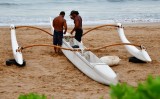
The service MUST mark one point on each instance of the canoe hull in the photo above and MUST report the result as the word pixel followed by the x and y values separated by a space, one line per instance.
pixel 99 72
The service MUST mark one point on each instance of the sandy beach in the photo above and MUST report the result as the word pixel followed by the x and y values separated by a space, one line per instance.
pixel 55 76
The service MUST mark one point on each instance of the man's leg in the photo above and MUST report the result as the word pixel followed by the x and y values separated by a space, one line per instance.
pixel 55 50
pixel 60 38
pixel 55 40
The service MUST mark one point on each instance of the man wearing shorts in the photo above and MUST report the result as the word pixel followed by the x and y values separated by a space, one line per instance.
pixel 77 25
pixel 59 23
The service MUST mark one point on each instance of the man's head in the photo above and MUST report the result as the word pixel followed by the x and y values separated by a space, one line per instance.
pixel 76 12
pixel 73 14
pixel 62 13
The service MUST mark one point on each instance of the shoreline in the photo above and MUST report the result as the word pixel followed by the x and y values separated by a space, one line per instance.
pixel 90 26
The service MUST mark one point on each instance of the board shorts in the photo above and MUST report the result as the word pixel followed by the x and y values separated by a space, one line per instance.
pixel 78 34
pixel 57 37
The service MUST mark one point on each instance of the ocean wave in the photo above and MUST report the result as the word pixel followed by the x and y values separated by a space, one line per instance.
pixel 45 21
pixel 21 4
pixel 8 4
pixel 128 0
pixel 14 4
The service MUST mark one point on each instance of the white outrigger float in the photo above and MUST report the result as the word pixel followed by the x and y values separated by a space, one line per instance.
pixel 17 55
pixel 140 54
pixel 84 60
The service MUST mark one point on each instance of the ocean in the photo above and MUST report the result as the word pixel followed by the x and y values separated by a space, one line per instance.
pixel 93 12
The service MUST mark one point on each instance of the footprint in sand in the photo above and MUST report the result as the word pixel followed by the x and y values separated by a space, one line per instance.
pixel 131 71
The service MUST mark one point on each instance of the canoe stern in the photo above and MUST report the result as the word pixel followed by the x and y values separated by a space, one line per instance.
pixel 107 73
pixel 145 55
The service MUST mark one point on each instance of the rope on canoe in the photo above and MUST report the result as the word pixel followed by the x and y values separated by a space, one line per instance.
pixel 77 49
pixel 18 27
pixel 99 27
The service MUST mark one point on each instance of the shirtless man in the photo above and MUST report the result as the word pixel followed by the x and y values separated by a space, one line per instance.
pixel 77 25
pixel 59 23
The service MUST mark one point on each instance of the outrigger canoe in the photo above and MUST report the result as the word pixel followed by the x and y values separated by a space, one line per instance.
pixel 87 62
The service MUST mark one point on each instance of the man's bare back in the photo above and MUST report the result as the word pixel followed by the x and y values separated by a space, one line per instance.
pixel 59 23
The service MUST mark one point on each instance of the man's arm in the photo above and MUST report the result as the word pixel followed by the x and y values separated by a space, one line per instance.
pixel 53 23
pixel 65 27
pixel 73 30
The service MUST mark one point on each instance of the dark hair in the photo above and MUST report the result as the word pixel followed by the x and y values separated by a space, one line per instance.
pixel 74 12
pixel 62 13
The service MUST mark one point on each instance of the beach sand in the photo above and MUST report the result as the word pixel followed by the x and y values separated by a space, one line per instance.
pixel 55 76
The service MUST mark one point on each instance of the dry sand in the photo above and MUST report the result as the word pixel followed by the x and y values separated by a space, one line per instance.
pixel 54 75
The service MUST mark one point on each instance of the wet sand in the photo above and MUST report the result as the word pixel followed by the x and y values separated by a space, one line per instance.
pixel 54 75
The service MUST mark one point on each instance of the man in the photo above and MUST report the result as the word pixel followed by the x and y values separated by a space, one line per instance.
pixel 77 25
pixel 59 23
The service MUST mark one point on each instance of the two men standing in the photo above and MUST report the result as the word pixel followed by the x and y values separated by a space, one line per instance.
pixel 59 24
